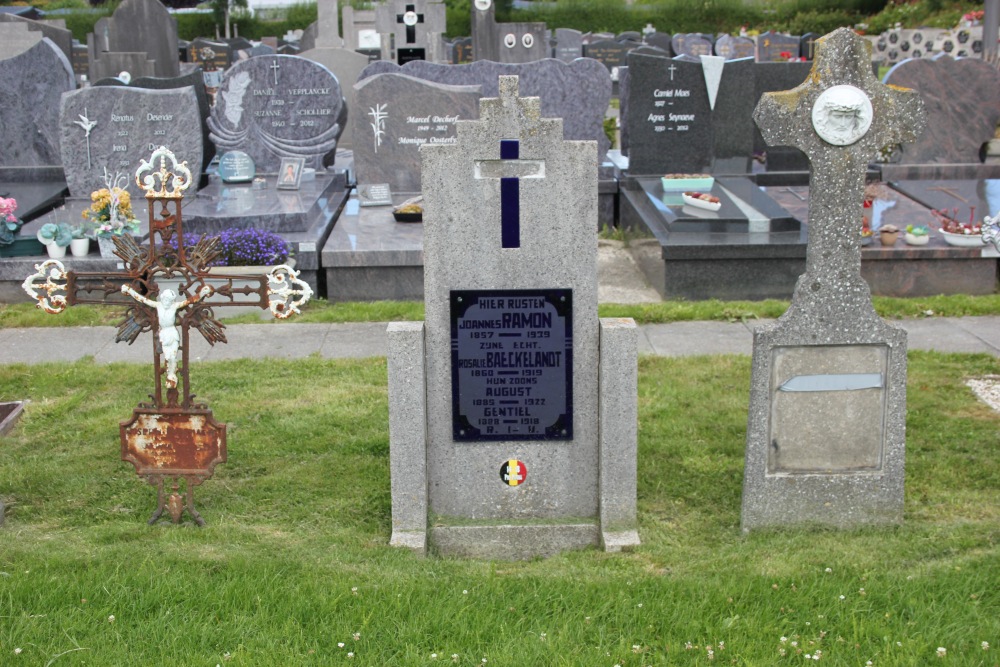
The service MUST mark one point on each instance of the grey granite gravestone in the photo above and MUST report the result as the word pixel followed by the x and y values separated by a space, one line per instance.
pixel 16 38
pixel 688 117
pixel 506 42
pixel 61 37
pixel 396 114
pixel 359 29
pixel 273 107
pixel 609 53
pixel 691 44
pixel 411 30
pixel 962 97
pixel 577 92
pixel 771 45
pixel 735 47
pixel 569 44
pixel 137 26
pixel 826 430
pixel 327 26
pixel 533 449
pixel 347 66
pixel 661 40
pixel 29 133
pixel 112 127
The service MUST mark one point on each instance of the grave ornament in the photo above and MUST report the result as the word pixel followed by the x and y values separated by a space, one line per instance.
pixel 172 436
pixel 826 426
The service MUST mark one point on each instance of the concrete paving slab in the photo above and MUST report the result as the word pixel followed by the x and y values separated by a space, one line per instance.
pixel 279 341
pixel 356 340
pixel 679 339
pixel 944 334
pixel 38 345
pixel 986 329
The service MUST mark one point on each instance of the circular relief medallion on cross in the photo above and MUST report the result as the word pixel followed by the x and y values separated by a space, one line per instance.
pixel 510 40
pixel 528 40
pixel 483 5
pixel 410 18
pixel 842 115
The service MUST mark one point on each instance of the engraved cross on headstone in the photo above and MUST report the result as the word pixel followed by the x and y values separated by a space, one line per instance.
pixel 839 117
pixel 510 170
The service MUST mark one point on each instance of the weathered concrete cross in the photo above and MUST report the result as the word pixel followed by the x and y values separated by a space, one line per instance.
pixel 839 117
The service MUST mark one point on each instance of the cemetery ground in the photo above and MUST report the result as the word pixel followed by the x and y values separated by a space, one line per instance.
pixel 294 565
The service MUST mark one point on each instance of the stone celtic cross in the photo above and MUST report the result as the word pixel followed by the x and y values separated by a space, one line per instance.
pixel 171 436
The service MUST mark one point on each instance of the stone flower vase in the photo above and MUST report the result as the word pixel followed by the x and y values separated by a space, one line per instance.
pixel 107 246
pixel 888 235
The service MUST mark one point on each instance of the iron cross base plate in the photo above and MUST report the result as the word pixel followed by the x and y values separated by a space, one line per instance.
pixel 173 443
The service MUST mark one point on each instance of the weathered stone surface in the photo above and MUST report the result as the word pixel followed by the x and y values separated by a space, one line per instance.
pixel 61 37
pixel 827 418
pixel 962 98
pixel 16 38
pixel 577 92
pixel 113 128
pixel 29 134
pixel 347 66
pixel 137 26
pixel 279 106
pixel 396 114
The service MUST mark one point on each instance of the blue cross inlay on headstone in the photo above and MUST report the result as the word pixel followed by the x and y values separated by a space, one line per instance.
pixel 510 169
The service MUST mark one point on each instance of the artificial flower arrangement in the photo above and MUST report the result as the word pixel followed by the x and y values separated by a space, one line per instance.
pixel 110 211
pixel 9 224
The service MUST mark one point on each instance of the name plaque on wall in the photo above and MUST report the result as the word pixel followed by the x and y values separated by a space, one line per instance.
pixel 512 364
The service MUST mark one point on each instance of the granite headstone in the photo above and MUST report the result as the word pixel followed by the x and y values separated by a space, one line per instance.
pixel 278 106
pixel 29 134
pixel 113 127
pixel 578 92
pixel 771 45
pixel 735 47
pixel 346 65
pixel 691 44
pixel 61 37
pixel 396 114
pixel 411 30
pixel 569 44
pixel 137 26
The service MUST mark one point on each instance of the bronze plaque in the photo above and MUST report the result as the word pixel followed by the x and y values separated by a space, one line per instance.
pixel 174 443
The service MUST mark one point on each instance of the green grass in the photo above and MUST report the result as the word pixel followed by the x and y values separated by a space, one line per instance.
pixel 294 559
pixel 322 311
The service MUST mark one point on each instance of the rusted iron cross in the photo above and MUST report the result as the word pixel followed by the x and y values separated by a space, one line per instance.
pixel 171 437
pixel 839 117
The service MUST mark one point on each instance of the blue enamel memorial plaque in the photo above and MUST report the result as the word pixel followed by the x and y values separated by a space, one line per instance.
pixel 512 364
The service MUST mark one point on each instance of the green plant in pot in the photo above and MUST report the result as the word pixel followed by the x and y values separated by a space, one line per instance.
pixel 55 236
pixel 80 245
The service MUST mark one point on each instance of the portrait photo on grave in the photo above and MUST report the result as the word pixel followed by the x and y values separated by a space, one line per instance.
pixel 290 173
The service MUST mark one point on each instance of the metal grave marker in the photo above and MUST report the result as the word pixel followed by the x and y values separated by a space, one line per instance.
pixel 171 436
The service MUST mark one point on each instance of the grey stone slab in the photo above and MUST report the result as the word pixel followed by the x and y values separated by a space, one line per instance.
pixel 16 38
pixel 396 115
pixel 681 339
pixel 347 66
pixel 963 106
pixel 569 44
pixel 113 128
pixel 61 37
pixel 578 92
pixel 29 133
pixel 328 25
pixel 984 328
pixel 272 107
pixel 972 335
pixel 22 345
pixel 360 339
pixel 512 542
pixel 139 26
pixel 297 341
pixel 826 427
pixel 196 80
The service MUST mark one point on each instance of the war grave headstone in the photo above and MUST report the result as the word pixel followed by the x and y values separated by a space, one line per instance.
pixel 771 45
pixel 137 26
pixel 59 35
pixel 569 44
pixel 826 429
pixel 532 451
pixel 735 47
pixel 691 44
pixel 411 30
pixel 170 436
pixel 506 42
pixel 278 106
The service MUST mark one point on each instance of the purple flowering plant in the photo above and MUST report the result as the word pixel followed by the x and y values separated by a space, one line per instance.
pixel 244 247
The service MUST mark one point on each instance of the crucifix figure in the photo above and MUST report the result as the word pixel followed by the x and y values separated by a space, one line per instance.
pixel 410 18
pixel 172 436
pixel 510 169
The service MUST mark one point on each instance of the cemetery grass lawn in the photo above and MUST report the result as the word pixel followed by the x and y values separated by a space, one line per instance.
pixel 320 311
pixel 293 567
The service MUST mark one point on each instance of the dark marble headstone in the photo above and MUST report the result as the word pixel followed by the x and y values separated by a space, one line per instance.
pixel 140 26
pixel 114 127
pixel 661 40
pixel 808 50
pixel 396 115
pixel 209 54
pixel 461 51
pixel 734 48
pixel 35 79
pixel 278 106
pixel 691 44
pixel 962 100
pixel 675 126
pixel 609 53
pixel 578 92
pixel 236 167
pixel 776 77
pixel 569 44
pixel 629 36
pixel 239 44
pixel 770 46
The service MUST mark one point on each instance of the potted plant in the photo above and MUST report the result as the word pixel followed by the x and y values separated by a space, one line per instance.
pixel 917 235
pixel 866 231
pixel 80 245
pixel 110 213
pixel 888 235
pixel 10 226
pixel 55 236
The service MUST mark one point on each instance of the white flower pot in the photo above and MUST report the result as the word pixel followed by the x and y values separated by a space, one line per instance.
pixel 79 247
pixel 56 251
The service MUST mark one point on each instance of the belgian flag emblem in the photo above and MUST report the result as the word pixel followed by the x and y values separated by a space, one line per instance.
pixel 513 472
